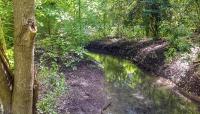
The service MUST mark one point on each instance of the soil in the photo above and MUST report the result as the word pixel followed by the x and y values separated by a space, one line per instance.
pixel 86 95
pixel 85 82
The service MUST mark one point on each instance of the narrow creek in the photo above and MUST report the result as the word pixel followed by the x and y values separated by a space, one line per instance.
pixel 129 90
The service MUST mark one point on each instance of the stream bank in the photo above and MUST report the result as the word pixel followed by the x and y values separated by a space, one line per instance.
pixel 102 84
pixel 109 85
pixel 150 56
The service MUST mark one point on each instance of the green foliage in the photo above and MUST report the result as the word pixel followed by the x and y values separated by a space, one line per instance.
pixel 6 15
pixel 10 55
pixel 54 85
pixel 64 30
pixel 192 8
pixel 178 41
pixel 55 51
pixel 150 14
pixel 59 34
pixel 2 39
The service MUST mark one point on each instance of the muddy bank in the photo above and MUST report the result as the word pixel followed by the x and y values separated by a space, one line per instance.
pixel 89 92
pixel 149 55
pixel 85 95
pixel 85 83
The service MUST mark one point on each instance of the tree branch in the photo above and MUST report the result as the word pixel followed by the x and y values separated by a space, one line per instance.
pixel 6 65
pixel 5 85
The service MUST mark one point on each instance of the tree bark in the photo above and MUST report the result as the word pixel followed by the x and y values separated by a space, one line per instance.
pixel 5 84
pixel 5 93
pixel 25 30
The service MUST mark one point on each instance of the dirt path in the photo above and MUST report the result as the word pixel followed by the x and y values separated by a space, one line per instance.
pixel 86 94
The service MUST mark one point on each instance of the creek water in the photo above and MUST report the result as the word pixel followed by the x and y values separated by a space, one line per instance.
pixel 129 90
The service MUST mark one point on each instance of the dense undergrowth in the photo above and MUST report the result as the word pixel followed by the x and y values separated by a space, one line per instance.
pixel 53 85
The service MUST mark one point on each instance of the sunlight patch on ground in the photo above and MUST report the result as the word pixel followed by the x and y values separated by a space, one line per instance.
pixel 165 83
pixel 138 95
pixel 182 65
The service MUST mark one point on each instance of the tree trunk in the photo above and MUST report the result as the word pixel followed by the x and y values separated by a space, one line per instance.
pixel 5 90
pixel 16 92
pixel 25 30
pixel 5 93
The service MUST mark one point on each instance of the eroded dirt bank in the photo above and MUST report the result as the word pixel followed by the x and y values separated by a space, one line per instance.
pixel 86 93
pixel 149 55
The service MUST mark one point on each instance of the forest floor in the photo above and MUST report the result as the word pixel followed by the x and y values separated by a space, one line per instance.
pixel 86 95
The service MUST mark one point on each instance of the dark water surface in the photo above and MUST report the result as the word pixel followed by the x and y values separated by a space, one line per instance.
pixel 131 91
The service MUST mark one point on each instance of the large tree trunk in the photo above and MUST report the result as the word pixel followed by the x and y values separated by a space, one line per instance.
pixel 24 21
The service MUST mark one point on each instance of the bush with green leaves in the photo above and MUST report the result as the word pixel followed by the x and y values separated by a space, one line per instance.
pixel 6 15
pixel 179 41
pixel 54 85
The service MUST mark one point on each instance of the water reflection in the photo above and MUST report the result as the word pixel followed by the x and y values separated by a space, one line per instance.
pixel 130 91
pixel 118 72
